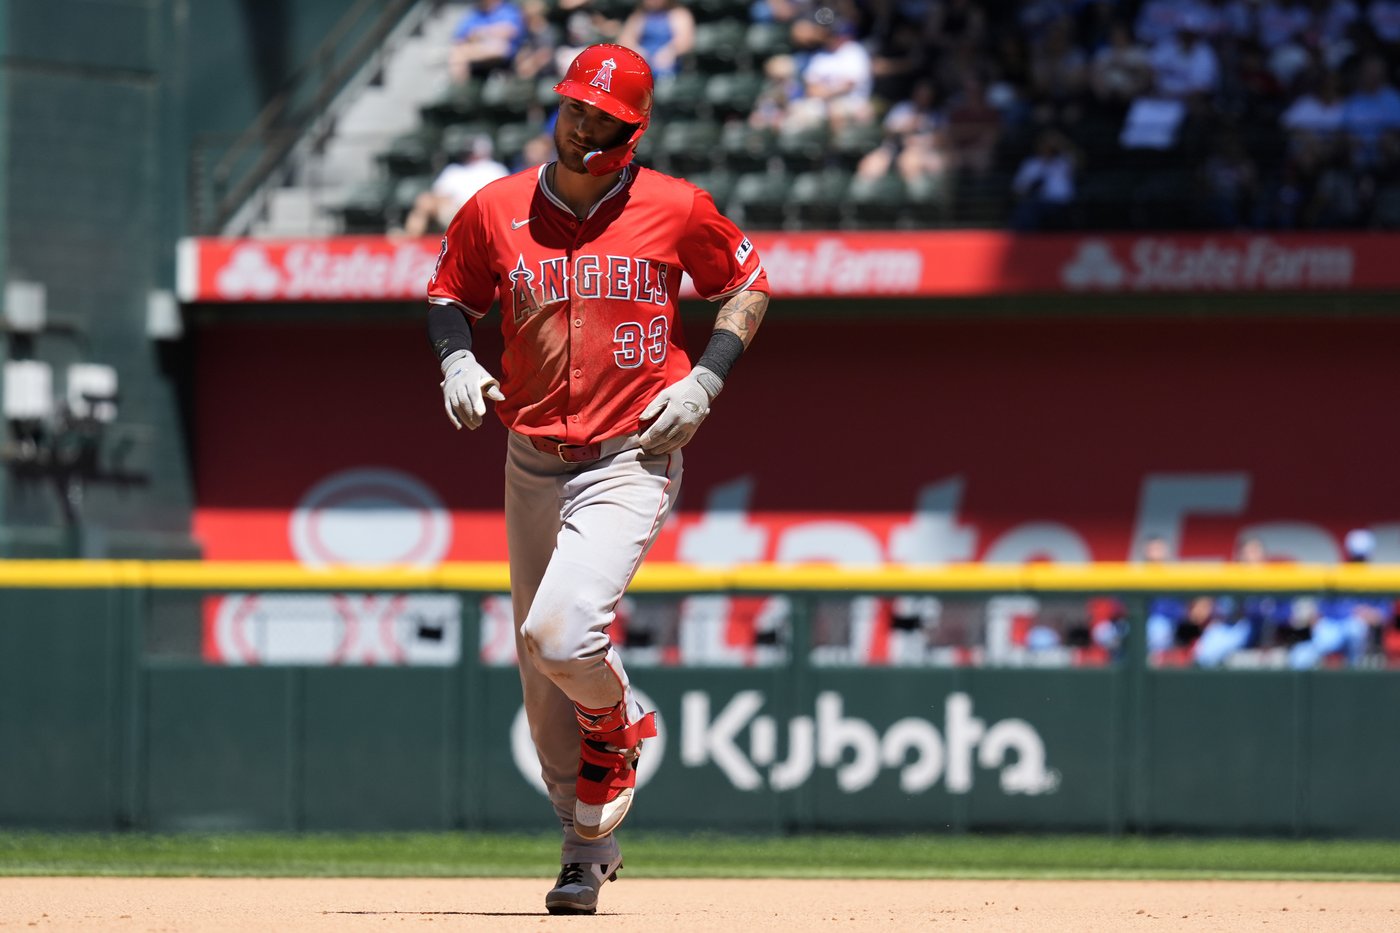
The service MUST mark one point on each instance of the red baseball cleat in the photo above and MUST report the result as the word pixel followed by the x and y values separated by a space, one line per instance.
pixel 607 776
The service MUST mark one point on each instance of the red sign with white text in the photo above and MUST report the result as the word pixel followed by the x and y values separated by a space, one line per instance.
pixel 854 441
pixel 964 263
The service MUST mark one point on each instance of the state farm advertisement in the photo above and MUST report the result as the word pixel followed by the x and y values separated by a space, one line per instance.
pixel 859 442
pixel 964 263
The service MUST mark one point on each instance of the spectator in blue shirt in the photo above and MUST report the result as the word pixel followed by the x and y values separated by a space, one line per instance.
pixel 663 31
pixel 486 39
pixel 1344 624
pixel 1371 111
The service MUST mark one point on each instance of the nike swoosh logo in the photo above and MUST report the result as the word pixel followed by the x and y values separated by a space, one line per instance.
pixel 517 224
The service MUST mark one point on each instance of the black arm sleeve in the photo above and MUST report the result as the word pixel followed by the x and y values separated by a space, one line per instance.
pixel 449 330
pixel 724 348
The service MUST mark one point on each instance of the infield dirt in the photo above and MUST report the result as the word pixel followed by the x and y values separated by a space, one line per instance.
pixel 731 906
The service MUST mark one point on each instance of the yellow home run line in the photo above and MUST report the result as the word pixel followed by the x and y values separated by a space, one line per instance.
pixel 684 578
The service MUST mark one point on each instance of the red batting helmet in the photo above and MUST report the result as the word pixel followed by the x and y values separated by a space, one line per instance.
pixel 617 81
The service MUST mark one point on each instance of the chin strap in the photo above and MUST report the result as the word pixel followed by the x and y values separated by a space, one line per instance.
pixel 607 161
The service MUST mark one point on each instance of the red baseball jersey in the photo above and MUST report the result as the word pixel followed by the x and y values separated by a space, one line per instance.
pixel 588 307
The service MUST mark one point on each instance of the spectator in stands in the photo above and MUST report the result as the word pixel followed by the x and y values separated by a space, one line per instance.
pixel 1383 16
pixel 1058 72
pixel 779 11
pixel 1251 552
pixel 1185 66
pixel 537 150
pixel 1318 112
pixel 454 186
pixel 586 25
pixel 915 145
pixel 836 80
pixel 1236 626
pixel 1164 613
pixel 1253 81
pixel 663 32
pixel 780 87
pixel 1230 179
pixel 1281 22
pixel 1226 632
pixel 486 39
pixel 539 40
pixel 1345 626
pixel 973 127
pixel 1331 28
pixel 954 24
pixel 1159 20
pixel 1045 185
pixel 1120 70
pixel 1371 111
pixel 1318 187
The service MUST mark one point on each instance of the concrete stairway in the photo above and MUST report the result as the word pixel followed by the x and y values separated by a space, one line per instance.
pixel 370 114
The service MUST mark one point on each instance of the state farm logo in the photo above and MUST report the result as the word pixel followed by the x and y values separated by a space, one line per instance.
pixel 830 267
pixel 248 274
pixel 1093 267
pixel 326 269
pixel 1155 263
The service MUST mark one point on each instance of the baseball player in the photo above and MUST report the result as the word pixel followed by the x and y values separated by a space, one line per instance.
pixel 585 255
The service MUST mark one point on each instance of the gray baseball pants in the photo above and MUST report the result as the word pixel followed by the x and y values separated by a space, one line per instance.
pixel 577 532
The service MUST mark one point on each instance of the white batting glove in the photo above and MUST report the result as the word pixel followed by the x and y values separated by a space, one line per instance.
pixel 465 387
pixel 678 409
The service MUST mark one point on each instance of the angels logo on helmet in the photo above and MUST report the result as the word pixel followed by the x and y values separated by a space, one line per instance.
pixel 603 79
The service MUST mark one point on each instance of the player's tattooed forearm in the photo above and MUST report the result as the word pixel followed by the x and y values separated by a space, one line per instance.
pixel 742 314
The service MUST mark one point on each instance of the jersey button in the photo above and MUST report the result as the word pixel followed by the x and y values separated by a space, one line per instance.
pixel 573 417
pixel 578 322
pixel 578 374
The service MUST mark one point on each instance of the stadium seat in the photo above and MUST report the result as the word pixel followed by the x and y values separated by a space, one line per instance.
pixel 405 192
pixel 719 183
pixel 612 9
pixel 1104 195
pixel 853 142
pixel 759 199
pixel 457 137
pixel 746 148
pixel 927 203
pixel 363 210
pixel 506 97
pixel 877 203
pixel 689 145
pixel 412 153
pixel 511 139
pixel 718 46
pixel 648 150
pixel 816 198
pixel 706 11
pixel 545 95
pixel 459 102
pixel 733 95
pixel 804 149
pixel 679 95
pixel 764 40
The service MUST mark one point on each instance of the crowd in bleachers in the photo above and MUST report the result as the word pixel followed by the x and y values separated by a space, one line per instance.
pixel 1034 114
pixel 1266 630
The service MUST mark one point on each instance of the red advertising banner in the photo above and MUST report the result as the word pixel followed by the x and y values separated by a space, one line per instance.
pixel 964 263
pixel 858 442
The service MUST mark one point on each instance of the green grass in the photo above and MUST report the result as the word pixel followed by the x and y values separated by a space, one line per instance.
pixel 658 855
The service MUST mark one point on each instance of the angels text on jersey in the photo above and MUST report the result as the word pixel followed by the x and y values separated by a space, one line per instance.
pixel 535 286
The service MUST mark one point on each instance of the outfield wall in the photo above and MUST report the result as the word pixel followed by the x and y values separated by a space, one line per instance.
pixel 106 722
